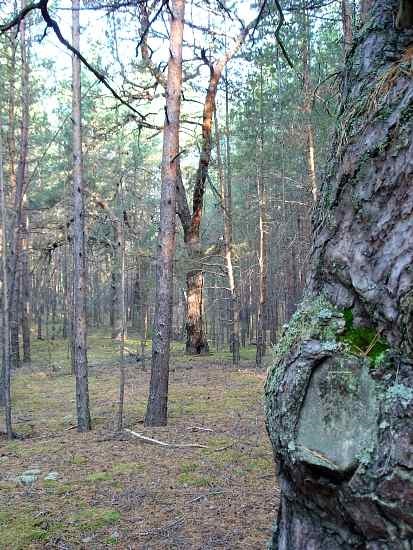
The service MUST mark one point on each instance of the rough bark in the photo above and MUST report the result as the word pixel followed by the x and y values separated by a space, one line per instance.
pixel 79 249
pixel 157 409
pixel 339 397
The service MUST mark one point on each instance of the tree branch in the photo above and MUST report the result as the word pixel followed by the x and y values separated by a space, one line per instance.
pixel 21 15
pixel 51 23
pixel 281 21
pixel 216 69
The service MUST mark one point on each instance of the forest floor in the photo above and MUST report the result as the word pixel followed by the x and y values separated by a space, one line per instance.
pixel 114 491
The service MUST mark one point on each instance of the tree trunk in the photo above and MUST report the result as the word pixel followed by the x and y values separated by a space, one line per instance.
pixel 263 236
pixel 67 276
pixel 120 242
pixel 226 205
pixel 118 328
pixel 13 356
pixel 196 342
pixel 5 394
pixel 136 299
pixel 339 398
pixel 157 409
pixel 25 286
pixel 79 248
pixel 308 108
pixel 191 222
pixel 21 177
pixel 14 309
pixel 39 315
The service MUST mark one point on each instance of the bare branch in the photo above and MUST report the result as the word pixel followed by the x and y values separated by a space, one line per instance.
pixel 281 21
pixel 51 23
pixel 20 16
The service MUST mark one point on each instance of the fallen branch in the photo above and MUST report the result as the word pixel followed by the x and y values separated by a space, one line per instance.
pixel 199 429
pixel 222 448
pixel 210 494
pixel 152 441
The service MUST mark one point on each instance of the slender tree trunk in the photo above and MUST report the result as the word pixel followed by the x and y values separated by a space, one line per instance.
pixel 121 239
pixel 79 248
pixel 21 176
pixel 25 286
pixel 14 294
pixel 157 409
pixel 113 286
pixel 308 108
pixel 11 145
pixel 339 415
pixel 5 397
pixel 136 298
pixel 226 206
pixel 117 286
pixel 263 237
pixel 39 315
pixel 66 291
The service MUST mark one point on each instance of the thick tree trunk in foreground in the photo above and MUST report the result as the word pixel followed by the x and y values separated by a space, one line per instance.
pixel 157 409
pixel 339 398
pixel 79 248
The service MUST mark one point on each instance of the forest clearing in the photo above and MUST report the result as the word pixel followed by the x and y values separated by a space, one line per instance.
pixel 206 282
pixel 115 491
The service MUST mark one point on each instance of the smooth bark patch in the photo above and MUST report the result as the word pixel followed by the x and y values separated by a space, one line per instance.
pixel 339 415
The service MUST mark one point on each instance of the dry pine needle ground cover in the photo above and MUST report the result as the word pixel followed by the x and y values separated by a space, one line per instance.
pixel 114 491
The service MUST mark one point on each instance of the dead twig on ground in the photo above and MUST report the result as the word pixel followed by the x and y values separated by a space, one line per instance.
pixel 222 448
pixel 199 429
pixel 152 441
